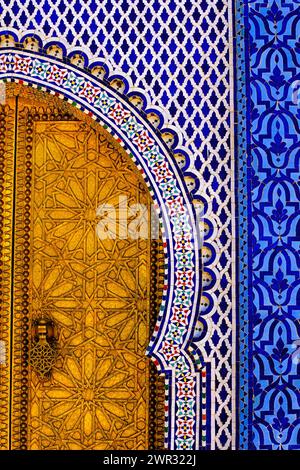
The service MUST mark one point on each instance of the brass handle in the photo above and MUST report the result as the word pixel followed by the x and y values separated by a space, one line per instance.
pixel 43 351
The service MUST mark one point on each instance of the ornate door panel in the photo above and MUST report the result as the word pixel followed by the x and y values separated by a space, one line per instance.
pixel 85 382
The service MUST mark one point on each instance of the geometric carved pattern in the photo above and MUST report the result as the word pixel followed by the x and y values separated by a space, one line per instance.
pixel 95 291
pixel 6 203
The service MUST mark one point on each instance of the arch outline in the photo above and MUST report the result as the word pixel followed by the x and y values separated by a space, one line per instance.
pixel 169 347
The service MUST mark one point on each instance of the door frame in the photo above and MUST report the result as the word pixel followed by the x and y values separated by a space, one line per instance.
pixel 171 347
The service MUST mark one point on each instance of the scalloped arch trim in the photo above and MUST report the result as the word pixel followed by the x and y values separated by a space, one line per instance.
pixel 120 115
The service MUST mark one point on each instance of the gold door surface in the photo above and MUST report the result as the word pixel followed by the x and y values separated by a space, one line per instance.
pixel 92 294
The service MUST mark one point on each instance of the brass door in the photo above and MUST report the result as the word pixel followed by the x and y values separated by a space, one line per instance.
pixel 91 390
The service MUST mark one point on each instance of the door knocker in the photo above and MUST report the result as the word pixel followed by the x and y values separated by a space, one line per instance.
pixel 44 349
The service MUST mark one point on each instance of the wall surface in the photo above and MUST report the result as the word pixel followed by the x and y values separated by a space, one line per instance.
pixel 198 61
pixel 274 223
